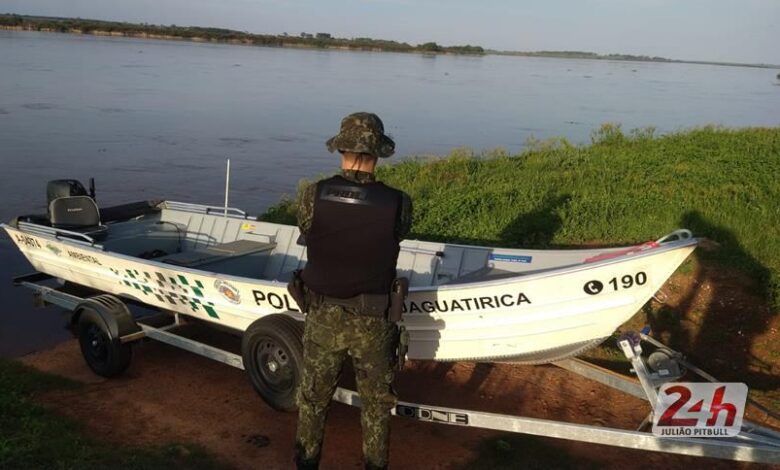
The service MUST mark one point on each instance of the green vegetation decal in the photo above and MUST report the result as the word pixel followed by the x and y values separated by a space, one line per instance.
pixel 173 290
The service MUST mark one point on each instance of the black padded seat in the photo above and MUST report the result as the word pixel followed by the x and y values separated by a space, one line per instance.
pixel 77 214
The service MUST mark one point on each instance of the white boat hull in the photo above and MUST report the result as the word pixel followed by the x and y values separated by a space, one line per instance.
pixel 534 316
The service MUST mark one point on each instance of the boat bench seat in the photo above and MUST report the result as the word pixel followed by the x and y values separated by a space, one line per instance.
pixel 484 274
pixel 217 253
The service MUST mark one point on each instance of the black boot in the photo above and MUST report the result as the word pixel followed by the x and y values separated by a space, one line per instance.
pixel 306 464
pixel 302 463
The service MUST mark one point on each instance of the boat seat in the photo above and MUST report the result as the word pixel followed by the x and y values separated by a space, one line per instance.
pixel 77 214
pixel 216 253
pixel 484 274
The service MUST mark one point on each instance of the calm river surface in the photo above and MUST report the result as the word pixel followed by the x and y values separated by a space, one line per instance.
pixel 156 119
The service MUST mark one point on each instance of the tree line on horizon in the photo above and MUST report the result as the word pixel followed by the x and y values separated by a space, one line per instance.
pixel 321 40
pixel 588 55
pixel 310 40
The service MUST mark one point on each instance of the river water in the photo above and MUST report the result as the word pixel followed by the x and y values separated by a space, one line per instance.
pixel 156 119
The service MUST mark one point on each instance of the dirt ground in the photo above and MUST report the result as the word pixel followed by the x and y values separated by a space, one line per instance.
pixel 169 395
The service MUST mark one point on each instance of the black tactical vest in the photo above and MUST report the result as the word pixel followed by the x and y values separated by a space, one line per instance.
pixel 352 248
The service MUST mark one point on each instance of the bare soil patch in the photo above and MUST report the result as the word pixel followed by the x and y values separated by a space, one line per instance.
pixel 171 395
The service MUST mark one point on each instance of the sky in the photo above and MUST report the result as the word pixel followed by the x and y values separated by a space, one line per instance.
pixel 717 30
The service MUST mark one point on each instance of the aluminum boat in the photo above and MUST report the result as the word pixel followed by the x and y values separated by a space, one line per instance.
pixel 465 303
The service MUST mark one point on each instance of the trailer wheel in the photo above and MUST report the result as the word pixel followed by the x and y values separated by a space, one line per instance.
pixel 106 357
pixel 272 349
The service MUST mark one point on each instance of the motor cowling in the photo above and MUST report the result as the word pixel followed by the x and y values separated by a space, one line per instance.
pixel 56 189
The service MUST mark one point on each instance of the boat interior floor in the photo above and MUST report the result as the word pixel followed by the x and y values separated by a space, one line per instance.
pixel 217 253
pixel 246 247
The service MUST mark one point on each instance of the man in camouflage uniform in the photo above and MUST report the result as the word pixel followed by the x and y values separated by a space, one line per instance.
pixel 352 225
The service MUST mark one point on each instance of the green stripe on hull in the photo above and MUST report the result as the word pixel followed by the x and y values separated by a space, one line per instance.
pixel 177 282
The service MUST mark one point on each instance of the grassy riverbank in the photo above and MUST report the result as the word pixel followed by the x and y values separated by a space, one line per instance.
pixel 32 437
pixel 627 188
pixel 623 188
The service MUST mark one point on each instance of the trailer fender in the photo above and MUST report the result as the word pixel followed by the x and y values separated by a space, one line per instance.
pixel 114 313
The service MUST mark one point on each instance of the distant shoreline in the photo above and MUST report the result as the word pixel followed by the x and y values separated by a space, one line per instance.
pixel 557 55
pixel 139 35
pixel 219 35
pixel 12 22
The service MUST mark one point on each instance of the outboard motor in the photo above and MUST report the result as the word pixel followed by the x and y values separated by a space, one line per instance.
pixel 63 188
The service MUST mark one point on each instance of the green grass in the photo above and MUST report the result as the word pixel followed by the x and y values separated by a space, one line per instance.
pixel 623 188
pixel 723 184
pixel 32 437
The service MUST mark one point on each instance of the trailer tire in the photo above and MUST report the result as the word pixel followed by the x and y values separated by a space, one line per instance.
pixel 105 355
pixel 272 350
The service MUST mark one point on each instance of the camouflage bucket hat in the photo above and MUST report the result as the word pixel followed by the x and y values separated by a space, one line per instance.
pixel 362 133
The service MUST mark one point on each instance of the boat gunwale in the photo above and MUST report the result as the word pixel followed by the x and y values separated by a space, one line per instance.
pixel 558 271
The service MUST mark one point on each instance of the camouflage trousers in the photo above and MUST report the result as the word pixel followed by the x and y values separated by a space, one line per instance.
pixel 331 333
